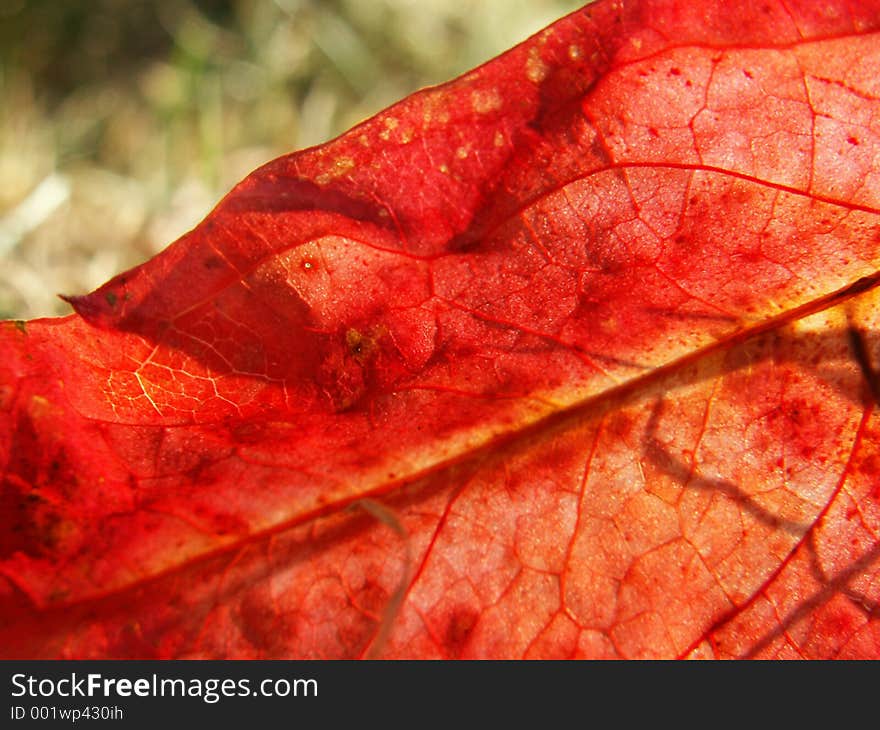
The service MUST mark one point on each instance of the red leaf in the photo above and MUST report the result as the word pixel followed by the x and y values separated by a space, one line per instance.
pixel 572 356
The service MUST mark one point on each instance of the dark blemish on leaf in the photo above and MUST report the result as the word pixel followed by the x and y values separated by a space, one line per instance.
pixel 58 594
pixel 748 74
pixel 355 341
pixel 675 72
pixel 258 624
pixel 459 628
pixel 361 347
pixel 21 326
pixel 111 298
pixel 249 433
pixel 464 242
pixel 213 262
pixel 852 140
pixel 347 371
pixel 653 132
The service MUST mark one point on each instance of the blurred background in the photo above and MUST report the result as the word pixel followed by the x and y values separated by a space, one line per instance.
pixel 122 122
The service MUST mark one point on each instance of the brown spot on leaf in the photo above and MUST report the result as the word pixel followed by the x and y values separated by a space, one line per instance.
pixel 459 628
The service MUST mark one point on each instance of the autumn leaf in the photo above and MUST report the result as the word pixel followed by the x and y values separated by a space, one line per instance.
pixel 573 356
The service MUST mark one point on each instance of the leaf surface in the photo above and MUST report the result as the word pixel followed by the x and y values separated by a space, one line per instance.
pixel 573 356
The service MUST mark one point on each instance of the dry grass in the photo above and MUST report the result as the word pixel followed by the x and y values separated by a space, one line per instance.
pixel 123 121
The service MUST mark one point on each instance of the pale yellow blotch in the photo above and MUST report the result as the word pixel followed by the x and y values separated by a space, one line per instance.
pixel 485 101
pixel 406 136
pixel 499 139
pixel 461 153
pixel 390 125
pixel 637 43
pixel 364 140
pixel 39 405
pixel 536 69
pixel 435 110
pixel 574 52
pixel 444 168
pixel 609 324
pixel 341 165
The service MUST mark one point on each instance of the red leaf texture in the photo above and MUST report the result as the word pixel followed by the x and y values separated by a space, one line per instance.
pixel 574 356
